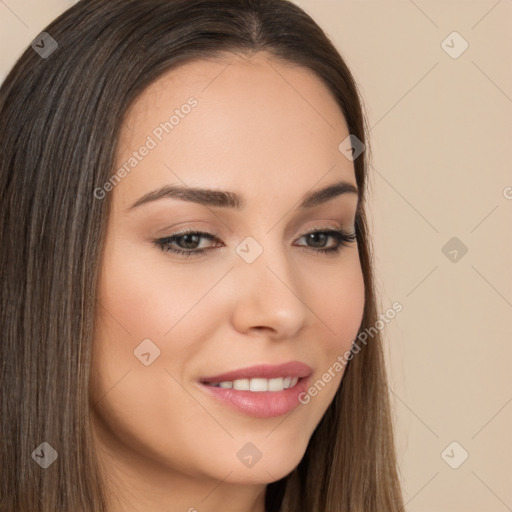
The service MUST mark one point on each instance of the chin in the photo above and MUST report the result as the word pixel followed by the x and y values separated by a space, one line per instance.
pixel 262 475
pixel 274 462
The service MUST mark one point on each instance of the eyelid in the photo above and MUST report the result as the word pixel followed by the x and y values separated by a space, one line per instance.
pixel 322 228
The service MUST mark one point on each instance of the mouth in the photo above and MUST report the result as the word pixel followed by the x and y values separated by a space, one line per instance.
pixel 262 391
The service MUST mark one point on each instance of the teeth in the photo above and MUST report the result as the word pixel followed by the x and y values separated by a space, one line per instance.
pixel 259 384
pixel 275 384
pixel 241 384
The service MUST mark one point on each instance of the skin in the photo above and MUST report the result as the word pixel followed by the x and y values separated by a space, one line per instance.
pixel 269 131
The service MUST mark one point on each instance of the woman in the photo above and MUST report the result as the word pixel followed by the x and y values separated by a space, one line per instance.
pixel 186 267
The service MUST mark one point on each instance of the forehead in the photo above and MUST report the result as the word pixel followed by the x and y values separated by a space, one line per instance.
pixel 248 124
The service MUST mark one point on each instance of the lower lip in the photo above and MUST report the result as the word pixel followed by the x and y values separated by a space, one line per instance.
pixel 260 404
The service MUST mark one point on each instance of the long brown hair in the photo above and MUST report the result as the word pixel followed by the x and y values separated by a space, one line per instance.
pixel 60 118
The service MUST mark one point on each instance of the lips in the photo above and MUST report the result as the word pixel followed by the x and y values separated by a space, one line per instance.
pixel 265 371
pixel 260 403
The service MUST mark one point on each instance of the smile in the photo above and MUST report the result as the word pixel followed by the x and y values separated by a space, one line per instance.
pixel 262 391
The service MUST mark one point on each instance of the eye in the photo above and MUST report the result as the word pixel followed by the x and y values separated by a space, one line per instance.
pixel 188 241
pixel 319 236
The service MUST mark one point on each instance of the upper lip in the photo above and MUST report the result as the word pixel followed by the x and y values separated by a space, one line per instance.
pixel 266 371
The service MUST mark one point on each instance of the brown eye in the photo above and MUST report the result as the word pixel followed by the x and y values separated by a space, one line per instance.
pixel 185 241
pixel 319 237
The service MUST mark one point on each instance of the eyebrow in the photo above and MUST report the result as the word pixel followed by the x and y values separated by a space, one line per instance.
pixel 224 199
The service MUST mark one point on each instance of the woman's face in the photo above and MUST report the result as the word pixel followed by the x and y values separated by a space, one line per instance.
pixel 261 293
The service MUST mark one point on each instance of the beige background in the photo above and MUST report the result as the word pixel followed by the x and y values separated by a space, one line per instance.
pixel 441 143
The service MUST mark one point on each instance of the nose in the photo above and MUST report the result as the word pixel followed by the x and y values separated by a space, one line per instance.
pixel 269 299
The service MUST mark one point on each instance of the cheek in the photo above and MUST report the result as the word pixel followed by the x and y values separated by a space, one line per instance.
pixel 145 407
pixel 141 297
pixel 338 295
pixel 144 293
pixel 137 329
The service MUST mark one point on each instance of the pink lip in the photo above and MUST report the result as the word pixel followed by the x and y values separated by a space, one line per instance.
pixel 265 371
pixel 262 404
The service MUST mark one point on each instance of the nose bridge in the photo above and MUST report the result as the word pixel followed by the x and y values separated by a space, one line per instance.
pixel 269 286
pixel 263 256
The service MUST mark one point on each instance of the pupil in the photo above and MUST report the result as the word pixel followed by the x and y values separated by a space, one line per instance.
pixel 187 240
pixel 314 238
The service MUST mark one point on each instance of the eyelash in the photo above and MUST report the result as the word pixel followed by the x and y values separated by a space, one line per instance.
pixel 342 237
